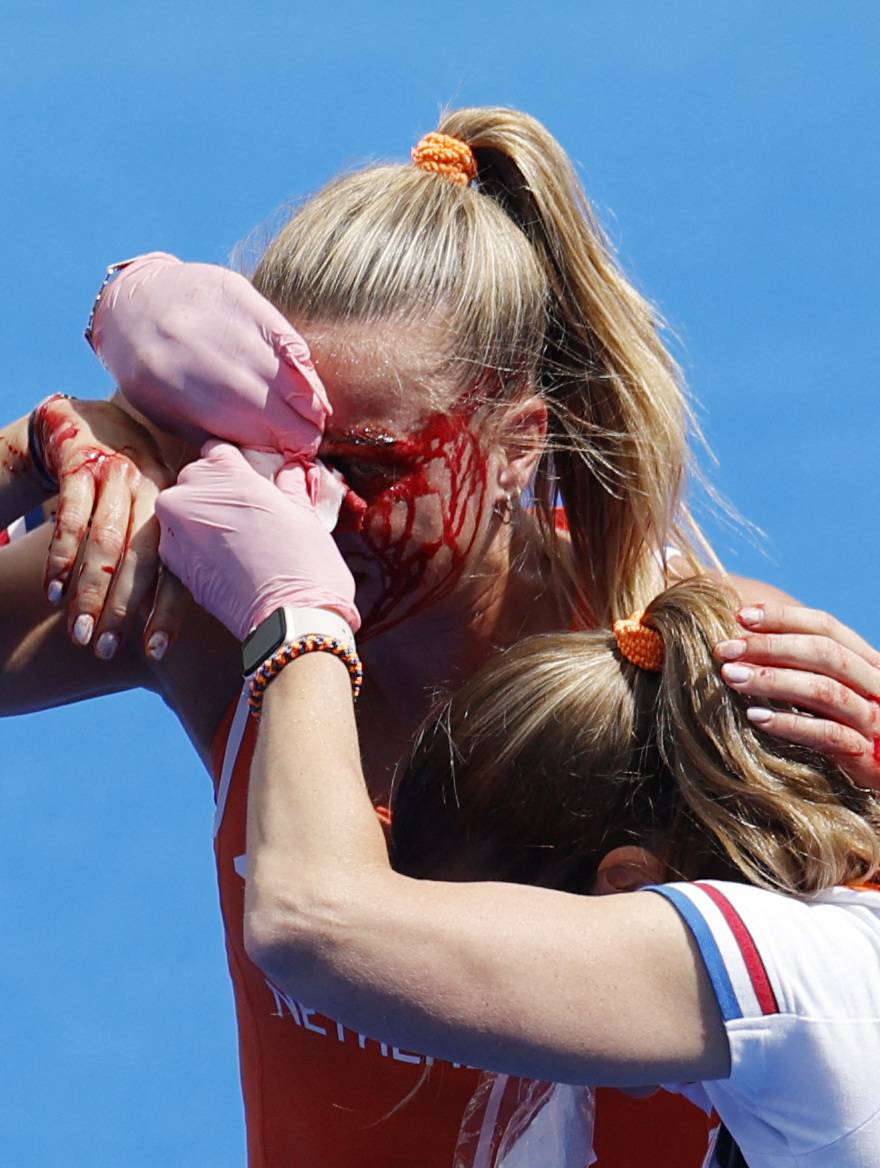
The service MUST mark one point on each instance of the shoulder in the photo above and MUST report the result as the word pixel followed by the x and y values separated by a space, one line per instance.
pixel 769 954
pixel 749 590
pixel 797 987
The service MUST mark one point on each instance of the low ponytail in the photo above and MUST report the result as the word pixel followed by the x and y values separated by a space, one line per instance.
pixel 560 749
pixel 786 818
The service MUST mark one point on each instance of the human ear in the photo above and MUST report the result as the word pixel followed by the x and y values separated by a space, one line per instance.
pixel 627 869
pixel 521 439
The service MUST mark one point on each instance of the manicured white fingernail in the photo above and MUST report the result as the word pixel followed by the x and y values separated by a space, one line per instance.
pixel 760 715
pixel 83 627
pixel 737 673
pixel 751 616
pixel 55 591
pixel 106 645
pixel 730 650
pixel 157 645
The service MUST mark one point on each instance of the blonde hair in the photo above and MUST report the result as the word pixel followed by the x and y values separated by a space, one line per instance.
pixel 559 750
pixel 532 299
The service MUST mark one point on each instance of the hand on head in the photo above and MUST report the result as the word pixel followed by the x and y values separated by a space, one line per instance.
pixel 790 656
pixel 198 351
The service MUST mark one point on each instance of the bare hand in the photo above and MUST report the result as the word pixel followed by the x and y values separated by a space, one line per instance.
pixel 807 658
pixel 104 552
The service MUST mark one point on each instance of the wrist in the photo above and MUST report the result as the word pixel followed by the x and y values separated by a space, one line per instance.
pixel 41 463
pixel 289 634
pixel 287 624
pixel 310 643
pixel 21 491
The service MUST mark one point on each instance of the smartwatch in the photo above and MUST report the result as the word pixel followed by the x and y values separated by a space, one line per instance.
pixel 289 624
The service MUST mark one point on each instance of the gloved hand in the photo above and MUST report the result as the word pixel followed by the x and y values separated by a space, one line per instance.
pixel 244 549
pixel 202 354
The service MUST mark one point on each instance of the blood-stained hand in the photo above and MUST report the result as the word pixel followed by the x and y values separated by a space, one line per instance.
pixel 806 658
pixel 103 557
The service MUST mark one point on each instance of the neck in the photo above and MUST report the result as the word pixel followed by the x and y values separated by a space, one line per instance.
pixel 507 597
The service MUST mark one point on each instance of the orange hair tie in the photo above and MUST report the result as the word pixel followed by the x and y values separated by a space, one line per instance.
pixel 450 157
pixel 638 643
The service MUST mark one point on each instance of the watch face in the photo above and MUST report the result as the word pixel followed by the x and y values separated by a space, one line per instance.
pixel 263 641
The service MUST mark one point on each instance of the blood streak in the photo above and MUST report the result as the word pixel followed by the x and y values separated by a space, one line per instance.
pixel 420 558
pixel 54 428
pixel 109 569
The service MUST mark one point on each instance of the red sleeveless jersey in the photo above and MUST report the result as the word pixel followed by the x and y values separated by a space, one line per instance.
pixel 318 1095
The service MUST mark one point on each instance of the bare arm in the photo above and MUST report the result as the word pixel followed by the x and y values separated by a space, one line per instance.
pixel 20 488
pixel 90 547
pixel 39 664
pixel 606 990
pixel 758 591
pixel 41 667
pixel 749 590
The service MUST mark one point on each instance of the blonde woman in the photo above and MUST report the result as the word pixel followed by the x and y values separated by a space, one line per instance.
pixel 586 763
pixel 475 337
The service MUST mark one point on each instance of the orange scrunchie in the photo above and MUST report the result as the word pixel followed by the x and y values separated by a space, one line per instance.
pixel 447 156
pixel 638 643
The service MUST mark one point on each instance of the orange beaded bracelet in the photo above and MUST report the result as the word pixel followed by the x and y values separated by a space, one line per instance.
pixel 310 643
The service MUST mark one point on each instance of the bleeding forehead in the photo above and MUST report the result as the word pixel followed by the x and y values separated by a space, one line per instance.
pixel 381 379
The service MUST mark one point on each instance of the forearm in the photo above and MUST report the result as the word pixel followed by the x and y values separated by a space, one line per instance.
pixel 20 488
pixel 313 836
pixel 488 974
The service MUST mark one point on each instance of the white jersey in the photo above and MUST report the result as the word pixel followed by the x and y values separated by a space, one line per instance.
pixel 798 986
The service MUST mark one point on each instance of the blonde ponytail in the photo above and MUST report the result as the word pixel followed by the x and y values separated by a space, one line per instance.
pixel 619 417
pixel 531 297
pixel 560 750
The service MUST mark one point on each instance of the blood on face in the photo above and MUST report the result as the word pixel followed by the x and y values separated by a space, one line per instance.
pixel 422 498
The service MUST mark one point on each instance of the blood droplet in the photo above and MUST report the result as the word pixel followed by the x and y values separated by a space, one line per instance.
pixel 15 460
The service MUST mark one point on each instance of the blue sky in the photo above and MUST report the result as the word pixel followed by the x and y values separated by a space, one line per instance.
pixel 731 151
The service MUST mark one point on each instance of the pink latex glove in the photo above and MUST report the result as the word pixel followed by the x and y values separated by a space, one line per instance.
pixel 197 350
pixel 202 354
pixel 244 549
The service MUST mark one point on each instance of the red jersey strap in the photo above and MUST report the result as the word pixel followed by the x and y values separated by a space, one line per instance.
pixel 237 720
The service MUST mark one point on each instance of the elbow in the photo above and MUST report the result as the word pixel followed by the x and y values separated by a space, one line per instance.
pixel 276 943
pixel 292 939
pixel 283 944
pixel 272 945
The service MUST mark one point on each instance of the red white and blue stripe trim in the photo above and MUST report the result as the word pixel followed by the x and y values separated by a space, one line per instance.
pixel 21 526
pixel 733 962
